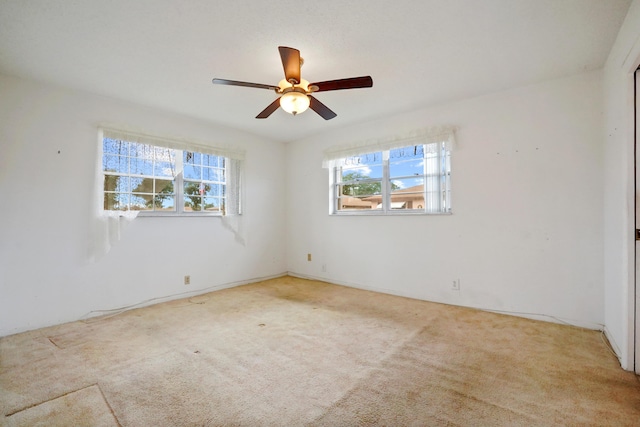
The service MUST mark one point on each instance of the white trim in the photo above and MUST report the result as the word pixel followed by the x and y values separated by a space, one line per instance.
pixel 534 316
pixel 434 170
pixel 117 310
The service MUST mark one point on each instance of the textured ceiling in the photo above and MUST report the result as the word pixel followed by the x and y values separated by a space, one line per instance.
pixel 164 53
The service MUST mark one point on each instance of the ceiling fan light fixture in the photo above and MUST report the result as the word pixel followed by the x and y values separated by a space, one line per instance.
pixel 294 93
pixel 294 102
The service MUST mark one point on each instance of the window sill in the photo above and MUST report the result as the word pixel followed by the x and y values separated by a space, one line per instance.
pixel 391 213
pixel 143 214
pixel 177 215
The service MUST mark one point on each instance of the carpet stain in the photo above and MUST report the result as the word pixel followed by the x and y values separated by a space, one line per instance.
pixel 331 356
pixel 86 406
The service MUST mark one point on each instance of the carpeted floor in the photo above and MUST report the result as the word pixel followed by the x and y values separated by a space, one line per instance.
pixel 293 352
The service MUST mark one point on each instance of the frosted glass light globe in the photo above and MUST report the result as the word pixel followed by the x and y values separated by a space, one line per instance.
pixel 294 102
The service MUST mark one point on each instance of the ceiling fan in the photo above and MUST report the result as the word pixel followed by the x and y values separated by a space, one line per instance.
pixel 295 92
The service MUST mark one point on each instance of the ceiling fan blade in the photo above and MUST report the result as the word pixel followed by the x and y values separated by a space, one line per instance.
pixel 291 63
pixel 245 84
pixel 350 83
pixel 320 108
pixel 270 109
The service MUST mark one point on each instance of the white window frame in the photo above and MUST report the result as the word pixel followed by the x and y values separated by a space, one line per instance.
pixel 230 203
pixel 442 175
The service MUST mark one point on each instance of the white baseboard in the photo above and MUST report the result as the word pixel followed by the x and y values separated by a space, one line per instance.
pixel 357 286
pixel 534 316
pixel 193 293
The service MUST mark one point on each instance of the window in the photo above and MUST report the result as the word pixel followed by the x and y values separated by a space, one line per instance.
pixel 144 176
pixel 409 179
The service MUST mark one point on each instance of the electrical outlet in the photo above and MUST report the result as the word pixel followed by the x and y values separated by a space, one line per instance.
pixel 324 268
pixel 308 257
pixel 456 285
pixel 187 280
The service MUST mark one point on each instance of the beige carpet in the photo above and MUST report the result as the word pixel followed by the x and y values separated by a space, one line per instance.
pixel 291 352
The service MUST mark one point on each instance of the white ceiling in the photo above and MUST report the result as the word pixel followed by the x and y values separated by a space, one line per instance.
pixel 164 53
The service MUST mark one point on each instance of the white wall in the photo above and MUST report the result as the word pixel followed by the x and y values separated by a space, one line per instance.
pixel 526 234
pixel 45 276
pixel 619 187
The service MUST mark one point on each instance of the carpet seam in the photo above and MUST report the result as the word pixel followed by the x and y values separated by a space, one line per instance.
pixel 49 400
pixel 104 397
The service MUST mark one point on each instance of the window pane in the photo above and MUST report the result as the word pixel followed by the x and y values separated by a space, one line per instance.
pixel 142 185
pixel 161 154
pixel 407 193
pixel 165 203
pixel 360 173
pixel 164 186
pixel 212 204
pixel 209 174
pixel 112 163
pixel 190 157
pixel 408 200
pixel 195 188
pixel 407 185
pixel 141 167
pixel 116 201
pixel 213 190
pixel 358 203
pixel 110 202
pixel 164 197
pixel 406 153
pixel 210 160
pixel 141 202
pixel 192 203
pixel 115 146
pixel 163 169
pixel 142 151
pixel 192 172
pixel 124 184
pixel 411 167
pixel 361 167
pixel 116 183
pixel 363 188
pixel 360 183
pixel 193 192
pixel 374 158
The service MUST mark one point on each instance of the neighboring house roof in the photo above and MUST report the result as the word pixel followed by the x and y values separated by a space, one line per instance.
pixel 355 203
pixel 414 189
pixel 403 194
